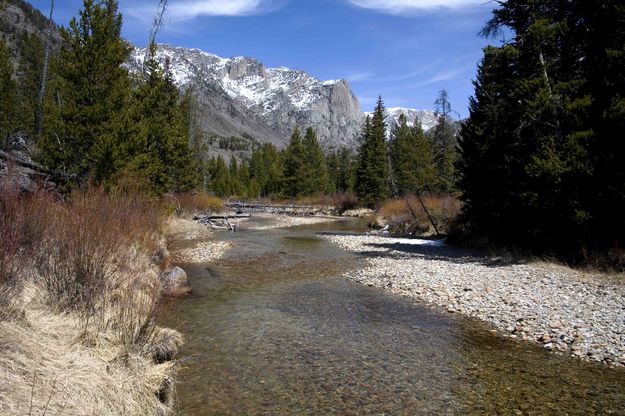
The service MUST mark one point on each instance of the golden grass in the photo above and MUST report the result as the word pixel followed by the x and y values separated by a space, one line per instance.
pixel 189 203
pixel 80 337
pixel 407 213
pixel 48 369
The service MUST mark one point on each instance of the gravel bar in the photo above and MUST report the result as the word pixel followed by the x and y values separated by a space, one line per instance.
pixel 567 311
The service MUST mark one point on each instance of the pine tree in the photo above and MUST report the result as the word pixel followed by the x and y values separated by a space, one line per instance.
pixel 332 163
pixel 313 172
pixel 444 144
pixel 265 171
pixel 8 91
pixel 542 130
pixel 154 135
pixel 235 179
pixel 31 62
pixel 220 177
pixel 93 92
pixel 372 173
pixel 294 156
pixel 411 157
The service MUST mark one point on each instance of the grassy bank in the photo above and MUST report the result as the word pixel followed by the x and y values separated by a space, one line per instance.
pixel 411 216
pixel 79 295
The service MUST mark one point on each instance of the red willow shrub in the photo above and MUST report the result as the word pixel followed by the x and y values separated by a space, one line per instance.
pixel 90 239
pixel 23 221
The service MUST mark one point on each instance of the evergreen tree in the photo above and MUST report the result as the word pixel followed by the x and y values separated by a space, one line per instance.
pixel 444 144
pixel 313 171
pixel 372 173
pixel 542 130
pixel 294 159
pixel 153 138
pixel 235 180
pixel 8 91
pixel 332 163
pixel 31 62
pixel 220 177
pixel 93 92
pixel 265 171
pixel 411 157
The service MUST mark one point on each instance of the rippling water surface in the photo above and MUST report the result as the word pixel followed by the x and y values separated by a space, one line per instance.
pixel 273 329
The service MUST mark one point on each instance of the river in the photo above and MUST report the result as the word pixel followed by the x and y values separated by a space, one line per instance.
pixel 272 329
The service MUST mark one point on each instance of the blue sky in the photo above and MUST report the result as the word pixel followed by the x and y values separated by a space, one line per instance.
pixel 404 50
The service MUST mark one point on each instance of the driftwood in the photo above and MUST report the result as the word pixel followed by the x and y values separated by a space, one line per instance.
pixel 213 221
pixel 283 209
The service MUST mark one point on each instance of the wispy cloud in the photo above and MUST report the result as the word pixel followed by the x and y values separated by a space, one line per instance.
pixel 359 76
pixel 441 76
pixel 411 6
pixel 189 9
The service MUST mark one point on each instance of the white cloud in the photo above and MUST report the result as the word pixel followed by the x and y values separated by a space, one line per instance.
pixel 411 6
pixel 359 76
pixel 189 9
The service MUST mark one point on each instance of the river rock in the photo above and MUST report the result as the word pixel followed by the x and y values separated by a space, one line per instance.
pixel 555 306
pixel 358 213
pixel 176 282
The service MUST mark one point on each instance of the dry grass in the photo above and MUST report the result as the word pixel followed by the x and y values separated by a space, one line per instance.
pixel 406 215
pixel 189 203
pixel 80 293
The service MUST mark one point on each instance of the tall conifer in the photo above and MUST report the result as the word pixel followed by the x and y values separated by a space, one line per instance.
pixel 372 174
pixel 93 92
pixel 294 156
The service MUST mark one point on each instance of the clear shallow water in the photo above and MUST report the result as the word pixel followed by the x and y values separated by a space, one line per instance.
pixel 273 330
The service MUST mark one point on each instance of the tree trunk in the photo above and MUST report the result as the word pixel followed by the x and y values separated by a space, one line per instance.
pixel 44 74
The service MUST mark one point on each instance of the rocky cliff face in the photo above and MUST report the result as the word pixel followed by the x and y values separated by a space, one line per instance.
pixel 239 97
pixel 18 19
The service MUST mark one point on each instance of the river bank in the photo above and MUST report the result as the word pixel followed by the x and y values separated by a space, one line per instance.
pixel 80 287
pixel 567 311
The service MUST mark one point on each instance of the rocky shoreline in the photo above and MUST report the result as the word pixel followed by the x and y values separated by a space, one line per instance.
pixel 566 311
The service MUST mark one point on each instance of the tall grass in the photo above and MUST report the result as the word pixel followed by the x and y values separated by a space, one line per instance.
pixel 78 279
pixel 188 203
pixel 89 241
pixel 407 215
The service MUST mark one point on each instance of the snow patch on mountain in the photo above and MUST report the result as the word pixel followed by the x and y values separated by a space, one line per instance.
pixel 240 96
pixel 427 118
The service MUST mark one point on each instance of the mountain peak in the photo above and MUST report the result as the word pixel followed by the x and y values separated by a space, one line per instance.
pixel 240 97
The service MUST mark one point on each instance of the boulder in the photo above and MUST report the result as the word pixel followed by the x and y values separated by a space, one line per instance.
pixel 176 282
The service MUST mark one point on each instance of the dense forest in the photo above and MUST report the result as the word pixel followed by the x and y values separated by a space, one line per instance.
pixel 403 161
pixel 542 155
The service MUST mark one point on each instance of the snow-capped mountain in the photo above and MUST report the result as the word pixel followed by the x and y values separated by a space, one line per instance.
pixel 241 100
pixel 240 97
pixel 427 118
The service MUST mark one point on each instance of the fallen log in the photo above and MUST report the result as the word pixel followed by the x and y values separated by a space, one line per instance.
pixel 39 169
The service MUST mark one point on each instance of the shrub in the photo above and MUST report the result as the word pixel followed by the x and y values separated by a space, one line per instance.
pixel 23 220
pixel 89 240
pixel 345 201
